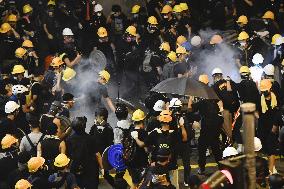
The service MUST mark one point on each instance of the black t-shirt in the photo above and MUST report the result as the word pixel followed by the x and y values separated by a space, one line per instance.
pixel 8 163
pixel 8 126
pixel 45 121
pixel 51 24
pixel 248 91
pixel 229 98
pixel 103 135
pixel 164 139
pixel 36 89
pixel 140 158
pixel 70 51
pixel 211 119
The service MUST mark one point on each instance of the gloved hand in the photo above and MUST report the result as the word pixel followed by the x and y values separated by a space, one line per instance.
pixel 134 134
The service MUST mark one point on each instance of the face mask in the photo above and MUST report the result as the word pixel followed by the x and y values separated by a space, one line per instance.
pixel 265 22
pixel 50 14
pixel 135 16
pixel 243 44
pixel 282 71
pixel 99 14
pixel 166 17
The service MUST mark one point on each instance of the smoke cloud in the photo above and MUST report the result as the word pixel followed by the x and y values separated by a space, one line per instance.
pixel 223 56
pixel 85 83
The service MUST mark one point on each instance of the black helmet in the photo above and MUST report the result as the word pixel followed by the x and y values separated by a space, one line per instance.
pixel 121 111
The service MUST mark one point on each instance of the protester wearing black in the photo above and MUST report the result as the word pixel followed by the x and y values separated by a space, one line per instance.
pixel 211 125
pixel 86 157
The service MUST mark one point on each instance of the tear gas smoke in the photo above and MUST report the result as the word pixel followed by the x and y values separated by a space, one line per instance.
pixel 223 56
pixel 85 83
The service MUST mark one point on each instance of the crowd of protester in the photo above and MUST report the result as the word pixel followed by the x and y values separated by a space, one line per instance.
pixel 42 48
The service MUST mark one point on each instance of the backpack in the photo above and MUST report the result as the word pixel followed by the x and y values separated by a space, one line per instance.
pixel 129 146
pixel 33 151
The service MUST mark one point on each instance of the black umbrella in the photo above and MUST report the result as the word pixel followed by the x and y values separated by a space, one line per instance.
pixel 186 87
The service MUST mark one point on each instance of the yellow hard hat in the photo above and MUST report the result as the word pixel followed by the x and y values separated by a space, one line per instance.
pixel 166 9
pixel 131 30
pixel 18 69
pixel 138 115
pixel 172 56
pixel 102 32
pixel 51 3
pixel 177 9
pixel 135 9
pixel 56 61
pixel 183 6
pixel 165 116
pixel 244 69
pixel 152 20
pixel 35 163
pixel 203 78
pixel 243 36
pixel 268 15
pixel 8 141
pixel 61 160
pixel 5 27
pixel 181 39
pixel 12 18
pixel 242 19
pixel 68 74
pixel 265 85
pixel 104 74
pixel 28 43
pixel 275 38
pixel 165 46
pixel 20 52
pixel 23 184
pixel 181 50
pixel 216 39
pixel 27 8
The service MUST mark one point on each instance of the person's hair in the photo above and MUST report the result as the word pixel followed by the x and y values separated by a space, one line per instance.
pixel 51 129
pixel 102 112
pixel 67 97
pixel 34 122
pixel 79 124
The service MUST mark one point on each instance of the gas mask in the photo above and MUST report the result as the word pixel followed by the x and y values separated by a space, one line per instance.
pixel 99 14
pixel 152 28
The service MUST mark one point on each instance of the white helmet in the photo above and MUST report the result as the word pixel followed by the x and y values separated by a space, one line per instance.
pixel 98 8
pixel 67 31
pixel 159 106
pixel 217 71
pixel 257 144
pixel 195 41
pixel 11 106
pixel 19 89
pixel 175 103
pixel 269 69
pixel 257 59
pixel 229 151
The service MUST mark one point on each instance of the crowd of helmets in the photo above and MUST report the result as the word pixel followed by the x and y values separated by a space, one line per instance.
pixel 44 42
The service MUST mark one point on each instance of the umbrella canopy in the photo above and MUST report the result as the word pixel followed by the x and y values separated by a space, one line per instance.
pixel 186 87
